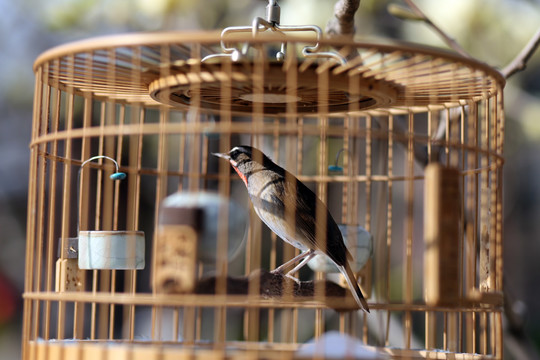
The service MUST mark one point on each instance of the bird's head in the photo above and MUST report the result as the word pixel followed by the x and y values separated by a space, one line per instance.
pixel 246 159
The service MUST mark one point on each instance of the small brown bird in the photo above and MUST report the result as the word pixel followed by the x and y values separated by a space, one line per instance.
pixel 275 193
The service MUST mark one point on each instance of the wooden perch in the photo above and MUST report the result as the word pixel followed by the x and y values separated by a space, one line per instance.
pixel 277 286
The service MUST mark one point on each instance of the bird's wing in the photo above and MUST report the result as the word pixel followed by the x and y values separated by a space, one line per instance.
pixel 300 205
pixel 322 233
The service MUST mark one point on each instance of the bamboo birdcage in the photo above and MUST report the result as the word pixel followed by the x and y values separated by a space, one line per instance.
pixel 432 203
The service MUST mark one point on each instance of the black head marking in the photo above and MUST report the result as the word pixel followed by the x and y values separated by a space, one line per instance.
pixel 246 159
pixel 238 152
pixel 245 153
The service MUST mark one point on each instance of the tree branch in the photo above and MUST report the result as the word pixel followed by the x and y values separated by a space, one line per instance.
pixel 446 38
pixel 414 13
pixel 520 61
pixel 342 23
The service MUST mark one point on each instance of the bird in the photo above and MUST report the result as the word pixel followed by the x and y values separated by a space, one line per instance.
pixel 293 212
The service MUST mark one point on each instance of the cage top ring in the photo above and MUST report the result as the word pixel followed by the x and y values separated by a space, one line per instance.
pixel 179 70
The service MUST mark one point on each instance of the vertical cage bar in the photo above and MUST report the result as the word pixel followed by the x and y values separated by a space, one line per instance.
pixel 134 191
pixel 53 98
pixel 408 273
pixel 224 189
pixel 107 198
pixel 430 335
pixel 389 218
pixel 322 188
pixel 30 306
pixel 66 196
pixel 293 160
pixel 253 260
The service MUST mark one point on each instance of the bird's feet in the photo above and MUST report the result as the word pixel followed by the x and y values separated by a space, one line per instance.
pixel 279 271
pixel 296 280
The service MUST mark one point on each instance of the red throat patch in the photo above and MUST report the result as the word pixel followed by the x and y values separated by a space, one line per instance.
pixel 242 176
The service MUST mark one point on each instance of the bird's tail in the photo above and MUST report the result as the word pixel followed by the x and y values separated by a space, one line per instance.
pixel 353 285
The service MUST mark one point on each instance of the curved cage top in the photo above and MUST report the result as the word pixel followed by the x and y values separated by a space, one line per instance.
pixel 170 69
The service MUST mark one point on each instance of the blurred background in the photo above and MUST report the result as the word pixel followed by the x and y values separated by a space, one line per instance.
pixel 493 31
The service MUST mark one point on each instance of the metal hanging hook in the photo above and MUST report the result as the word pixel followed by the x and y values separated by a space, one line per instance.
pixel 272 23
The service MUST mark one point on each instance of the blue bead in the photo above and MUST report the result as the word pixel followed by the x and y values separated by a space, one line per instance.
pixel 335 168
pixel 118 176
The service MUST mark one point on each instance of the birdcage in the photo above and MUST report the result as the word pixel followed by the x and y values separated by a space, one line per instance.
pixel 403 143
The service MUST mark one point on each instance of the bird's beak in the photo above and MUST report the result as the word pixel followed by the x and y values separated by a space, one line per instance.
pixel 222 155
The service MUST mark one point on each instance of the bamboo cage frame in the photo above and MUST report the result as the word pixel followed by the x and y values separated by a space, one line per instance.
pixel 112 96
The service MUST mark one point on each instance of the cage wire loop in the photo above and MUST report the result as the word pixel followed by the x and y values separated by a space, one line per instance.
pixel 117 175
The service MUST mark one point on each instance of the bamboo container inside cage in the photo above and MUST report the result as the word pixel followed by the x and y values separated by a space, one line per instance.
pixel 362 133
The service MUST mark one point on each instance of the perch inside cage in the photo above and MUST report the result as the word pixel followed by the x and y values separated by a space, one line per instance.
pixel 402 144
